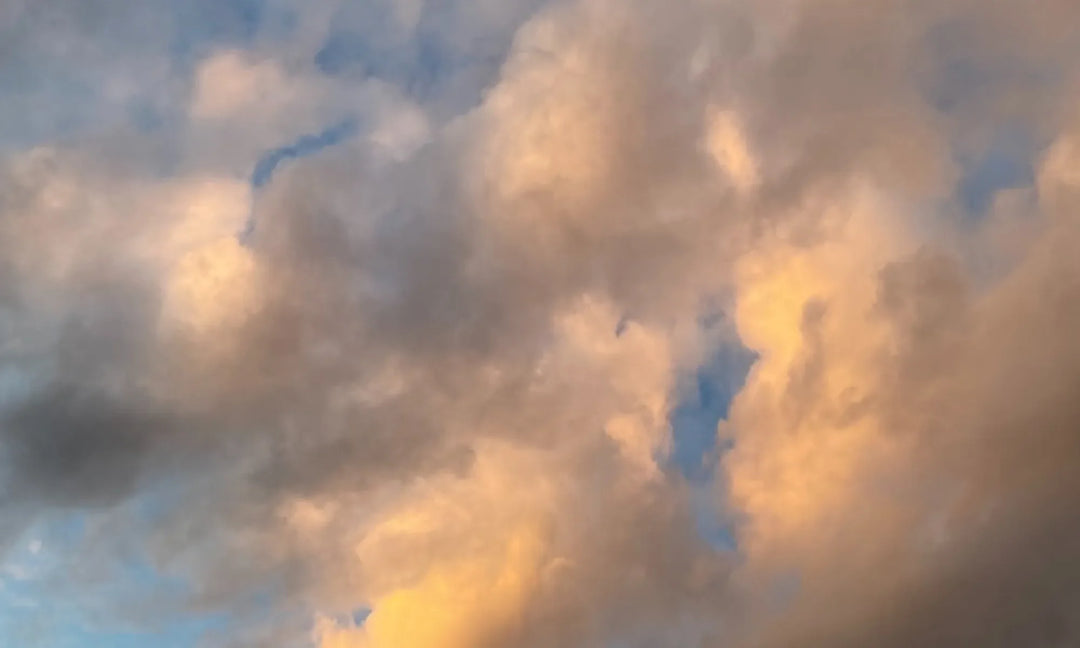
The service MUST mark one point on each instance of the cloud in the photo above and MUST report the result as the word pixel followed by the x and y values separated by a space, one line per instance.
pixel 435 380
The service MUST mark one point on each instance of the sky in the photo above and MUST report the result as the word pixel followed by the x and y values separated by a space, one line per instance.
pixel 534 323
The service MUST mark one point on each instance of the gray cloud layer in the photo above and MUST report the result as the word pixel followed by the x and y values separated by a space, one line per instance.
pixel 435 379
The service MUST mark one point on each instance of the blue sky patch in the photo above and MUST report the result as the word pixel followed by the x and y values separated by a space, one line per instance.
pixel 706 396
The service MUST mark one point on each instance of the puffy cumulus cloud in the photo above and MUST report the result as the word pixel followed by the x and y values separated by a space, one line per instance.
pixel 927 448
pixel 806 311
pixel 427 368
pixel 527 535
pixel 727 145
pixel 475 573
pixel 226 85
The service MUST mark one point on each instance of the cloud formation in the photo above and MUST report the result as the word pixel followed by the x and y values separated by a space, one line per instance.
pixel 426 369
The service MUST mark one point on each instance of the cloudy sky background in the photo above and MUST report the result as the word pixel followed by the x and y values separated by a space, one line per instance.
pixel 527 323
